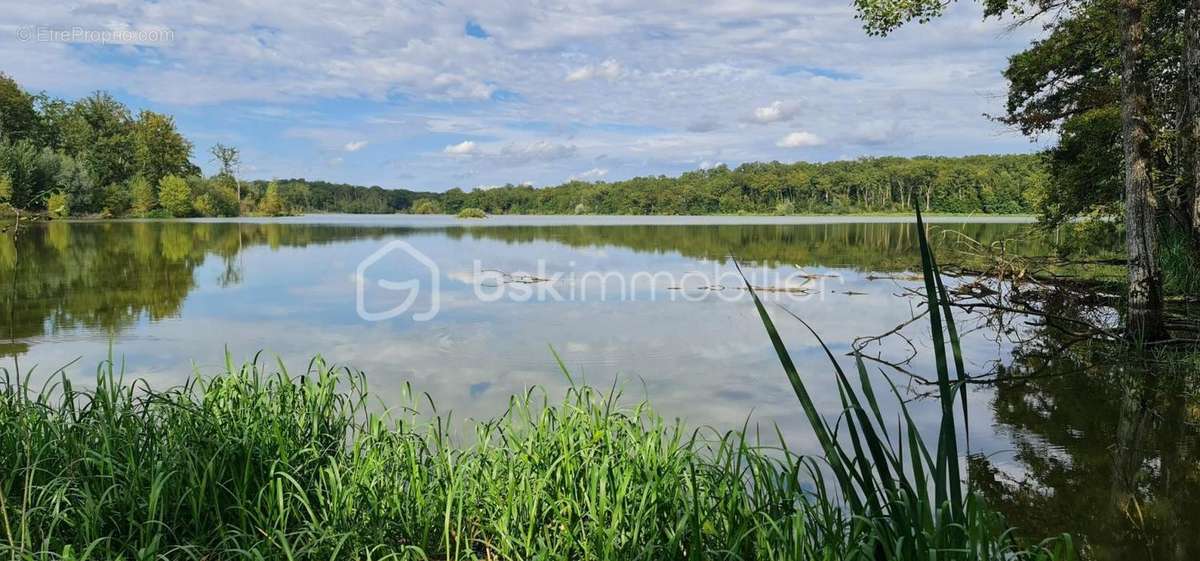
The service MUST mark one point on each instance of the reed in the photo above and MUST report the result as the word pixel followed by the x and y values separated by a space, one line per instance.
pixel 915 502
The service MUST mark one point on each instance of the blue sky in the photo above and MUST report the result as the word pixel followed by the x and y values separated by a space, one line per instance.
pixel 433 95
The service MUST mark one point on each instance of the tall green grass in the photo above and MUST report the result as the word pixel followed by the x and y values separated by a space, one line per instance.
pixel 266 466
pixel 252 464
pixel 1178 258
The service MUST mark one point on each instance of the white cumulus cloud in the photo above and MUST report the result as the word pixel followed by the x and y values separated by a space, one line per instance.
pixel 774 112
pixel 461 149
pixel 799 139
pixel 355 146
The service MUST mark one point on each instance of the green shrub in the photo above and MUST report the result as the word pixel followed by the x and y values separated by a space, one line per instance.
pixel 472 213
pixel 425 206
pixel 218 192
pixel 117 200
pixel 30 171
pixel 206 206
pixel 1091 237
pixel 58 205
pixel 143 198
pixel 175 196
pixel 73 179
pixel 5 188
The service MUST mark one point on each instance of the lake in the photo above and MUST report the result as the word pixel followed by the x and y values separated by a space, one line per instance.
pixel 473 312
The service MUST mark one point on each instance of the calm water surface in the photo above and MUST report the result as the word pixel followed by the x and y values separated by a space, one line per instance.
pixel 1065 452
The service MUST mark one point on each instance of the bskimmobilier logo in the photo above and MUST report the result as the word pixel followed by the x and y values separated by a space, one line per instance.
pixel 400 280
pixel 427 281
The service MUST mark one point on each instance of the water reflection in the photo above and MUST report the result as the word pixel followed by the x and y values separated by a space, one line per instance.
pixel 1097 452
pixel 862 246
pixel 105 276
pixel 1104 449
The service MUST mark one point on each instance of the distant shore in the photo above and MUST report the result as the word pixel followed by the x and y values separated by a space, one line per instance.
pixel 431 220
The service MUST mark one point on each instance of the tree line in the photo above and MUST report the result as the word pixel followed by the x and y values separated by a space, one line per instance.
pixel 95 157
pixel 1004 184
pixel 994 184
pixel 303 195
pixel 1000 184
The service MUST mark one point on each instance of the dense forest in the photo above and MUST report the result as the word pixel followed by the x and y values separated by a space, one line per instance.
pixel 975 184
pixel 302 195
pixel 988 184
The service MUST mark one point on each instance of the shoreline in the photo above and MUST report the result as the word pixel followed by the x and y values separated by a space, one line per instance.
pixel 445 220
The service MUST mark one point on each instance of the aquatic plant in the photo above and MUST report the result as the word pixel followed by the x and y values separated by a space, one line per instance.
pixel 914 502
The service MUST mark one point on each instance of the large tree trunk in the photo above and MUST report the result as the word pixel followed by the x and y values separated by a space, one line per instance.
pixel 1191 132
pixel 1145 302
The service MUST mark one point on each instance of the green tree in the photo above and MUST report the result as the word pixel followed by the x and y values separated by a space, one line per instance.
pixel 271 204
pixel 985 183
pixel 97 130
pixel 5 188
pixel 1086 167
pixel 224 189
pixel 229 159
pixel 83 148
pixel 1191 116
pixel 72 179
pixel 31 172
pixel 159 149
pixel 18 118
pixel 52 114
pixel 144 199
pixel 1134 57
pixel 175 196
pixel 295 195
